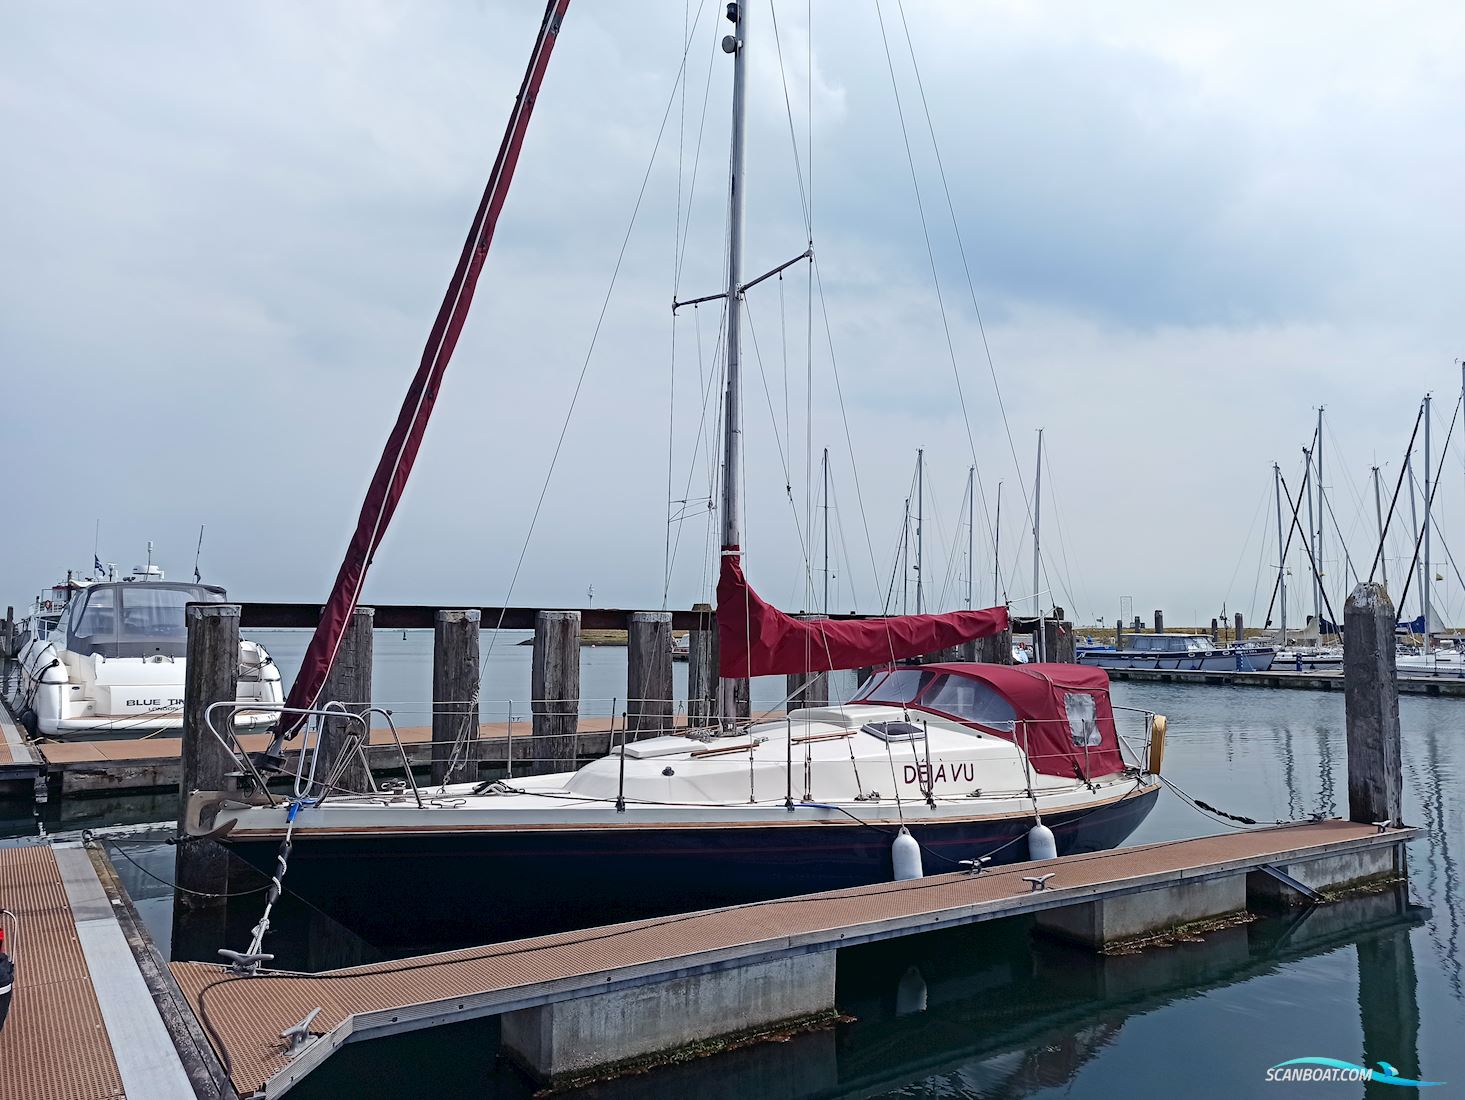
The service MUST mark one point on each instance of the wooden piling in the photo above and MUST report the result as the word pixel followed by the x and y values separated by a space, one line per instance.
pixel 349 683
pixel 455 671
pixel 1058 641
pixel 702 667
pixel 997 648
pixel 648 673
pixel 1215 632
pixel 1119 632
pixel 555 691
pixel 1159 621
pixel 1240 634
pixel 211 676
pixel 1371 706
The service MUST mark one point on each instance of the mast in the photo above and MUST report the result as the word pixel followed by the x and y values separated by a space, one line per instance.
pixel 1281 548
pixel 997 552
pixel 905 558
pixel 971 560
pixel 1424 573
pixel 1413 518
pixel 1322 511
pixel 920 513
pixel 1317 599
pixel 1037 552
pixel 732 457
pixel 826 530
pixel 1378 512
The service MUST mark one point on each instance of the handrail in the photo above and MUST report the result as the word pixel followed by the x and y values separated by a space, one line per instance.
pixel 401 751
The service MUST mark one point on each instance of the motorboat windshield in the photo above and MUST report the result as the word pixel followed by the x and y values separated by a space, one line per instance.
pixel 134 619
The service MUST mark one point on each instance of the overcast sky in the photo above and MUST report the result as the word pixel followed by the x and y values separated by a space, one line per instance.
pixel 226 231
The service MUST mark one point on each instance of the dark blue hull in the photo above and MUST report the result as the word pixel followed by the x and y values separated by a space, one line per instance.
pixel 486 886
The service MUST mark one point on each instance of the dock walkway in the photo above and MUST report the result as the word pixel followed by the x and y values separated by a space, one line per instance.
pixel 82 1023
pixel 244 1016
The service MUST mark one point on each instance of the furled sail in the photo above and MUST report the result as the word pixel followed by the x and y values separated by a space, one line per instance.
pixel 756 639
pixel 390 479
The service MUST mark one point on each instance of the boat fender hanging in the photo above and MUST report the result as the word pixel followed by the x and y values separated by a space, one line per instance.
pixel 911 994
pixel 1041 842
pixel 7 981
pixel 905 856
pixel 1157 744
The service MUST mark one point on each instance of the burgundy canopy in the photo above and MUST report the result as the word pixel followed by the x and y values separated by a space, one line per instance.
pixel 756 639
pixel 1065 721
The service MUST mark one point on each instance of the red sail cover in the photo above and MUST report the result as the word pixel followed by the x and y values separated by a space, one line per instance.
pixel 756 639
pixel 390 479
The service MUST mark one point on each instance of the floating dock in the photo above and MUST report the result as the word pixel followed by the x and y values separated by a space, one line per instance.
pixel 579 1002
pixel 1285 678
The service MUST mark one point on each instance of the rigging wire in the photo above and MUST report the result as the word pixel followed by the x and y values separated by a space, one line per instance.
pixel 471 716
pixel 935 274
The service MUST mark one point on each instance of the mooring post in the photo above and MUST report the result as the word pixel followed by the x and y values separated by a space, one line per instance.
pixel 211 675
pixel 1058 641
pixel 555 691
pixel 702 667
pixel 455 696
pixel 1159 621
pixel 1240 634
pixel 1118 633
pixel 648 672
pixel 1371 705
pixel 348 683
pixel 1215 632
pixel 996 649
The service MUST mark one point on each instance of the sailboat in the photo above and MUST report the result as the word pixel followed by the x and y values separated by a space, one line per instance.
pixel 925 769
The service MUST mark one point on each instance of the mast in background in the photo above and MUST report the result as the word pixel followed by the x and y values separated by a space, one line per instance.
pixel 1378 512
pixel 1322 511
pixel 1037 549
pixel 1413 523
pixel 1281 549
pixel 997 552
pixel 1311 538
pixel 920 524
pixel 971 559
pixel 1424 573
pixel 826 530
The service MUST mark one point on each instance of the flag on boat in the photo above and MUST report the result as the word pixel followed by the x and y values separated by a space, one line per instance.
pixel 754 638
pixel 101 570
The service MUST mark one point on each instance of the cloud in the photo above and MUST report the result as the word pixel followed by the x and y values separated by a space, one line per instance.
pixel 227 233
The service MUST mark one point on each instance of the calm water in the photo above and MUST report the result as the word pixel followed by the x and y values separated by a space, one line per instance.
pixel 990 1011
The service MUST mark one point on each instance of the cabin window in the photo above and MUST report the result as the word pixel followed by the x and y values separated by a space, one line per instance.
pixel 971 701
pixel 900 685
pixel 149 612
pixel 1083 719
